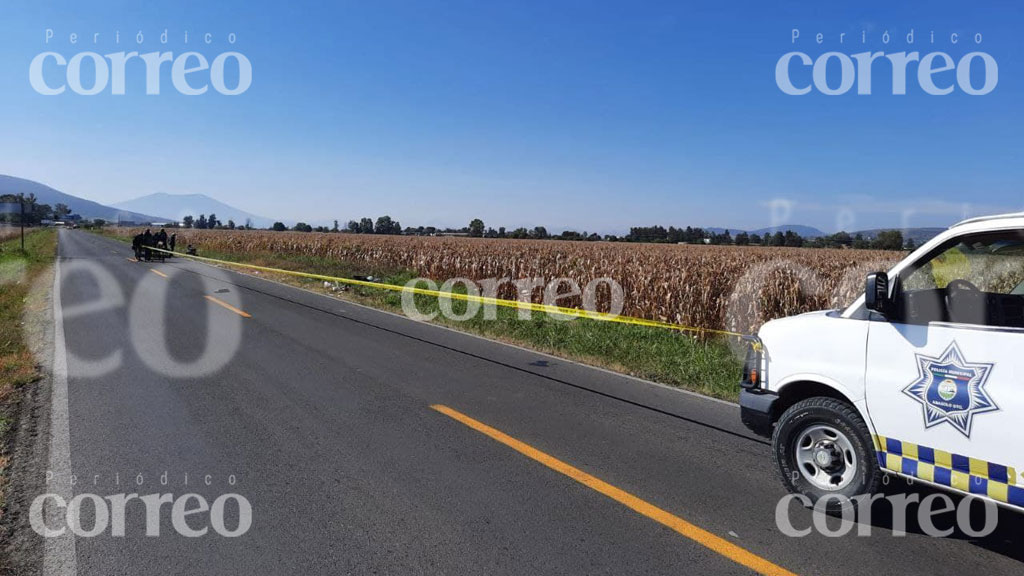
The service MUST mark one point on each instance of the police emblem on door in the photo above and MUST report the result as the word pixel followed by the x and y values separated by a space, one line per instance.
pixel 951 389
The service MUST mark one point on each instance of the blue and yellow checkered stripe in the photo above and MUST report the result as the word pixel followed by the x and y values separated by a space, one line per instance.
pixel 947 469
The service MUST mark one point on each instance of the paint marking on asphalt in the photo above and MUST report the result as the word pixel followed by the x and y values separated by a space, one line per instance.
pixel 228 306
pixel 59 557
pixel 691 531
pixel 158 273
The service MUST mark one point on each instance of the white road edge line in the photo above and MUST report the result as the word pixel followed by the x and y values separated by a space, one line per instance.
pixel 59 557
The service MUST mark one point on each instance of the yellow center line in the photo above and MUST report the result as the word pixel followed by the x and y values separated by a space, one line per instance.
pixel 158 273
pixel 691 531
pixel 228 306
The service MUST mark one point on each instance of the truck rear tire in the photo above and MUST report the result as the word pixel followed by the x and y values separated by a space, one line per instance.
pixel 822 447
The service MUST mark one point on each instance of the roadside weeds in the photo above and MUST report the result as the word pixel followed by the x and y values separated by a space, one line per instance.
pixel 26 281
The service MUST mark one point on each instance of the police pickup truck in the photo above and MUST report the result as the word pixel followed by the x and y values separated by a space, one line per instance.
pixel 923 376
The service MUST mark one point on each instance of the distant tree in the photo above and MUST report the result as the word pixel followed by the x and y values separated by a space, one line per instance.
pixel 188 221
pixel 279 227
pixel 201 223
pixel 778 239
pixel 385 225
pixel 742 239
pixel 888 240
pixel 231 224
pixel 755 239
pixel 718 238
pixel 793 240
pixel 60 211
pixel 501 232
pixel 211 221
pixel 648 234
pixel 842 239
pixel 36 213
pixel 476 228
pixel 861 243
pixel 335 229
pixel 302 227
pixel 365 226
pixel 539 233
pixel 99 222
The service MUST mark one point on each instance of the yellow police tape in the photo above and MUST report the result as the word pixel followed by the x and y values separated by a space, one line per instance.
pixel 518 304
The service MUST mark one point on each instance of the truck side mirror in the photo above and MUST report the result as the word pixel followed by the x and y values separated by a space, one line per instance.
pixel 876 293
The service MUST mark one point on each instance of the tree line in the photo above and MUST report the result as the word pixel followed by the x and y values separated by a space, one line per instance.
pixel 211 222
pixel 884 240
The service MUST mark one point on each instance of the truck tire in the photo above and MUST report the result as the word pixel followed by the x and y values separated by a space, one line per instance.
pixel 822 447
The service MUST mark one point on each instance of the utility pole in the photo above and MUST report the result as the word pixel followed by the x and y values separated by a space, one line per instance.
pixel 22 223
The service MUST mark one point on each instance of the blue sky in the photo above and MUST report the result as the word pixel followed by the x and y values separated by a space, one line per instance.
pixel 581 114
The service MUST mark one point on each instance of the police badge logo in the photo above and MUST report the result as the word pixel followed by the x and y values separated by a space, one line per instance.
pixel 951 389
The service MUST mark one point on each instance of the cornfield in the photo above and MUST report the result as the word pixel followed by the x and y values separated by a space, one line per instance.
pixel 720 287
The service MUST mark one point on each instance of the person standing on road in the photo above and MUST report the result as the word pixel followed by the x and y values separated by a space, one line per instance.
pixel 147 241
pixel 174 238
pixel 137 246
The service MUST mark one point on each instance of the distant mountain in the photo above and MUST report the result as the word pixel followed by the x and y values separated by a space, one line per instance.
pixel 731 231
pixel 919 235
pixel 177 206
pixel 805 231
pixel 87 209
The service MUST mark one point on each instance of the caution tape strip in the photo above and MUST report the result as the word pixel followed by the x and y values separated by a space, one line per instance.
pixel 518 304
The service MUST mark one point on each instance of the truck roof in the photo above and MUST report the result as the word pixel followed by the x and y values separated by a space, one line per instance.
pixel 989 218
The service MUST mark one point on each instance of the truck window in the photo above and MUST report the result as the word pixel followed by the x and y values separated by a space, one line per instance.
pixel 976 279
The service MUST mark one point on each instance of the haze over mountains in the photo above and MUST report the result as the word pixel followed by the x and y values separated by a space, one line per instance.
pixel 87 209
pixel 163 207
pixel 177 206
pixel 918 235
pixel 804 231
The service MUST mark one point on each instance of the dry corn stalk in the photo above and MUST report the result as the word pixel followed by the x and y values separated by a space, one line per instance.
pixel 721 287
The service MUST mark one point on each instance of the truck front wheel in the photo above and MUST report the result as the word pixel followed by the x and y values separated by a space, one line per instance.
pixel 822 447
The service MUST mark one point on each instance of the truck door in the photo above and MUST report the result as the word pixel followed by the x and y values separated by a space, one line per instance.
pixel 945 369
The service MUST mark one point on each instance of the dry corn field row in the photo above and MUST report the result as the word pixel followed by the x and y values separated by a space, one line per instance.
pixel 730 287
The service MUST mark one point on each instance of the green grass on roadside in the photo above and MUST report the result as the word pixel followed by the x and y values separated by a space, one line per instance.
pixel 708 367
pixel 18 365
pixel 17 270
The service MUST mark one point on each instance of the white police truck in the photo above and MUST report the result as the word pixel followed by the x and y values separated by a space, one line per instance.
pixel 923 376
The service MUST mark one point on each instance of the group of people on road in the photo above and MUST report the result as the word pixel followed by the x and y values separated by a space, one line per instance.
pixel 143 243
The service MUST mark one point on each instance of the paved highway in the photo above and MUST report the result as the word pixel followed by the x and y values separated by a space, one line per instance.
pixel 367 443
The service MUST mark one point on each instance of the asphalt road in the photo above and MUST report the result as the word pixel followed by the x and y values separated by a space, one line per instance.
pixel 321 412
